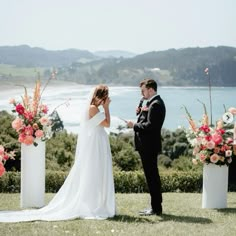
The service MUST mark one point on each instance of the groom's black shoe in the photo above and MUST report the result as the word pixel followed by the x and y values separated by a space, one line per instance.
pixel 149 212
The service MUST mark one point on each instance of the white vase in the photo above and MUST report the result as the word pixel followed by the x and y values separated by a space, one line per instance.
pixel 215 186
pixel 32 175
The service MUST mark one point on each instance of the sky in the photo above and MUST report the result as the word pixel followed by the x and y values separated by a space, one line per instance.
pixel 136 26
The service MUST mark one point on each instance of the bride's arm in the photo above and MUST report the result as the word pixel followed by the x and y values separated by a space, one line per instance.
pixel 107 121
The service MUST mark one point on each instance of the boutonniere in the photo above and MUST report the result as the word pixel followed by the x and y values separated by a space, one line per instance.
pixel 145 108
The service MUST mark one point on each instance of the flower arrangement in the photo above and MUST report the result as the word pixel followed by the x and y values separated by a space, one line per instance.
pixel 4 156
pixel 211 144
pixel 32 121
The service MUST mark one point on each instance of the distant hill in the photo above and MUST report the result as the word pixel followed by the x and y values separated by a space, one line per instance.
pixel 114 54
pixel 27 56
pixel 183 67
pixel 173 67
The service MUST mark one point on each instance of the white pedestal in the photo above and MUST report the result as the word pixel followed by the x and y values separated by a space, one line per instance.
pixel 32 175
pixel 215 186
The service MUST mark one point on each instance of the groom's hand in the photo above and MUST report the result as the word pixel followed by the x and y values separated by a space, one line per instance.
pixel 130 124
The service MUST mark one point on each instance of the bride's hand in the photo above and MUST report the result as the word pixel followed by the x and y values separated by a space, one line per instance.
pixel 106 103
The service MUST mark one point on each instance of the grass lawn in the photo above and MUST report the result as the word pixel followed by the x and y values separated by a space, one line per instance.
pixel 183 215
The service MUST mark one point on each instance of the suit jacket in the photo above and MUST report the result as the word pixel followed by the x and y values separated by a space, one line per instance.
pixel 148 127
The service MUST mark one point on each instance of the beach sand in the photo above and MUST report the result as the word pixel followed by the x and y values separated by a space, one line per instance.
pixel 18 84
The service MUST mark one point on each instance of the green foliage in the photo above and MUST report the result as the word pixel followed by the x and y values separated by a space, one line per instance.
pixel 164 160
pixel 60 151
pixel 123 154
pixel 129 182
pixel 54 180
pixel 125 181
pixel 175 143
pixel 181 181
pixel 184 163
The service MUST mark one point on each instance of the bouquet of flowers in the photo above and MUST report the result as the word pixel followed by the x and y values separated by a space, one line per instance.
pixel 211 144
pixel 32 121
pixel 4 156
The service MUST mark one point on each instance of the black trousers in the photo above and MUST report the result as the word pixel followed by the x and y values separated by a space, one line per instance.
pixel 149 162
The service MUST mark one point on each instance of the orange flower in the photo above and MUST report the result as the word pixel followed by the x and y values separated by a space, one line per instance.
pixel 2 169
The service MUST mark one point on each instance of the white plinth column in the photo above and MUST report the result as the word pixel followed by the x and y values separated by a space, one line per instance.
pixel 32 175
pixel 215 186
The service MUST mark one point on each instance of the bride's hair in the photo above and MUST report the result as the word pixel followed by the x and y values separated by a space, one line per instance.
pixel 100 94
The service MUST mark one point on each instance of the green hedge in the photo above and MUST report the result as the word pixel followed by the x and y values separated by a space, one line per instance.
pixel 125 181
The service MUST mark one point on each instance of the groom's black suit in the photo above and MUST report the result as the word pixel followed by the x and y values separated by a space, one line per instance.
pixel 148 144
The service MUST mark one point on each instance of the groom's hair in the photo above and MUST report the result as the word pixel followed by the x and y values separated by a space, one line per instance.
pixel 149 83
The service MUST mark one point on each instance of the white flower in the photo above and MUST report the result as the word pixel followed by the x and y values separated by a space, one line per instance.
pixel 228 153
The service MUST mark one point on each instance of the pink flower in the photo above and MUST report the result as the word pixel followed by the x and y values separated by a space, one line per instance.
pixel 12 101
pixel 1 150
pixel 5 157
pixel 2 169
pixel 214 158
pixel 28 130
pixel 44 120
pixel 229 140
pixel 29 115
pixel 206 71
pixel 219 124
pixel 21 137
pixel 202 157
pixel 210 145
pixel 216 150
pixel 20 109
pixel 232 110
pixel 44 109
pixel 217 138
pixel 39 133
pixel 196 150
pixel 17 124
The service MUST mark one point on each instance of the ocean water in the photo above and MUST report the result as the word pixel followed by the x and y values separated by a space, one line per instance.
pixel 124 101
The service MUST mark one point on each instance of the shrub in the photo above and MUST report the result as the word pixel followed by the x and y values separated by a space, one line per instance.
pixel 164 160
pixel 125 181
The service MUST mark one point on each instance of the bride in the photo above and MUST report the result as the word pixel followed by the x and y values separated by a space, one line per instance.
pixel 88 191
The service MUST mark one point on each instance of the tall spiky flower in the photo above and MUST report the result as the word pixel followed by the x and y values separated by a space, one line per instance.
pixel 36 97
pixel 205 116
pixel 190 120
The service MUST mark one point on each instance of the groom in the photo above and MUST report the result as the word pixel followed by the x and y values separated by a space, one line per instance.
pixel 148 141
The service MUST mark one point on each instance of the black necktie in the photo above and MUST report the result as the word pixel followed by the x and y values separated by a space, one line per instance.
pixel 148 103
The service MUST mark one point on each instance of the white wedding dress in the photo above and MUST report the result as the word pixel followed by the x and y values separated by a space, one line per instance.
pixel 88 191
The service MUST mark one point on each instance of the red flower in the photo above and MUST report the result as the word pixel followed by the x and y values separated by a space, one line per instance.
pixel 205 128
pixel 221 131
pixel 20 109
pixel 208 137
